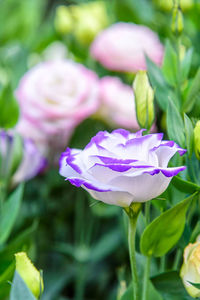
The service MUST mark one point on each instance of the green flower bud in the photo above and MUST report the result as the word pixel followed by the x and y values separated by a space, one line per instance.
pixel 197 140
pixel 190 271
pixel 144 99
pixel 63 20
pixel 90 18
pixel 177 20
pixel 168 4
pixel 29 274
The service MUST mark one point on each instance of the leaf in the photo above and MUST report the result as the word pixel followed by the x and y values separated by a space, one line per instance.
pixel 164 232
pixel 9 108
pixel 193 93
pixel 175 126
pixel 152 293
pixel 20 290
pixel 185 64
pixel 170 286
pixel 159 84
pixel 189 134
pixel 170 64
pixel 9 213
pixel 106 245
pixel 184 185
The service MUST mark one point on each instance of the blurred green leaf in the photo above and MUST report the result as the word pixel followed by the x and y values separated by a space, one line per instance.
pixel 189 134
pixel 175 125
pixel 170 64
pixel 193 93
pixel 19 290
pixel 170 286
pixel 185 64
pixel 184 185
pixel 159 84
pixel 152 293
pixel 105 245
pixel 9 108
pixel 163 233
pixel 9 212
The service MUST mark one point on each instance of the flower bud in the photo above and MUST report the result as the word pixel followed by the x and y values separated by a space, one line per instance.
pixel 29 274
pixel 63 20
pixel 197 140
pixel 144 99
pixel 89 19
pixel 190 270
pixel 167 5
pixel 177 20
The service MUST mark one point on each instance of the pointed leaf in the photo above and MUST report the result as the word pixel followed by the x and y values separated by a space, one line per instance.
pixel 193 94
pixel 175 126
pixel 20 290
pixel 164 232
pixel 189 134
pixel 170 64
pixel 9 212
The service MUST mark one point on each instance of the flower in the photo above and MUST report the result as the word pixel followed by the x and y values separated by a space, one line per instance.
pixel 20 160
pixel 190 271
pixel 29 274
pixel 122 167
pixel 117 103
pixel 122 47
pixel 54 97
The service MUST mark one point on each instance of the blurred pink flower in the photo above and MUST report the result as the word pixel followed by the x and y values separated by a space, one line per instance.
pixel 122 47
pixel 117 103
pixel 54 97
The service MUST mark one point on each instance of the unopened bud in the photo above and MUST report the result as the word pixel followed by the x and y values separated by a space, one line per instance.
pixel 63 20
pixel 144 99
pixel 190 271
pixel 29 274
pixel 177 20
pixel 197 140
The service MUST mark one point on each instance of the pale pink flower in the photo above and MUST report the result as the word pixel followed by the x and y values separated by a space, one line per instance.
pixel 54 97
pixel 123 46
pixel 117 103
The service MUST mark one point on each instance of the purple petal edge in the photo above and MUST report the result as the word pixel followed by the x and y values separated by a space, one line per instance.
pixel 79 182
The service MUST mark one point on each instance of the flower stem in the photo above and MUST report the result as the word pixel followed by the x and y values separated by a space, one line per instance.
pixel 133 212
pixel 148 258
pixel 146 278
pixel 131 242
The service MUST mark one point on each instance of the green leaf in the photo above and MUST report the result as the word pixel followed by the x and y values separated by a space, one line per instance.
pixel 20 290
pixel 106 245
pixel 184 185
pixel 185 64
pixel 159 84
pixel 153 294
pixel 9 108
pixel 189 134
pixel 193 93
pixel 175 126
pixel 9 213
pixel 170 286
pixel 170 64
pixel 164 232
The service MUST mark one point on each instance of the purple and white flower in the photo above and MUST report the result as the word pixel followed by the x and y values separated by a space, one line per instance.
pixel 122 167
pixel 26 166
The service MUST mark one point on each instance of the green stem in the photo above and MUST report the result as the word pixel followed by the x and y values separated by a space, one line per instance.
pixel 146 278
pixel 131 243
pixel 148 258
pixel 177 259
